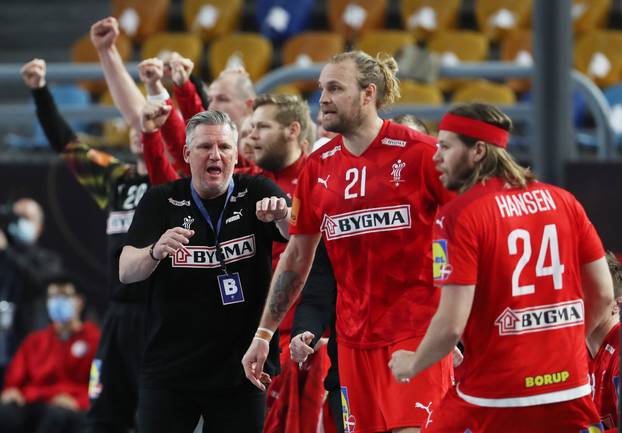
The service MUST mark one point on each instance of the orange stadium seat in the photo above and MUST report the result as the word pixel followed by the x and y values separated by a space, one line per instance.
pixel 115 132
pixel 496 18
pixel 250 50
pixel 385 41
pixel 456 46
pixel 83 51
pixel 426 17
pixel 590 15
pixel 485 91
pixel 286 89
pixel 418 93
pixel 355 17
pixel 311 47
pixel 597 55
pixel 211 18
pixel 518 47
pixel 189 45
pixel 139 18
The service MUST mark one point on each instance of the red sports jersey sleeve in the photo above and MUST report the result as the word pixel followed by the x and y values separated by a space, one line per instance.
pixel 524 340
pixel 375 212
pixel 605 373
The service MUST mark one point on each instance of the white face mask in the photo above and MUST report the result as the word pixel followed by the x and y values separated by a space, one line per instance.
pixel 24 231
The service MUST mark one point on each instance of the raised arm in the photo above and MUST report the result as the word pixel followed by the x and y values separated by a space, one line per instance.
pixel 153 116
pixel 598 291
pixel 125 94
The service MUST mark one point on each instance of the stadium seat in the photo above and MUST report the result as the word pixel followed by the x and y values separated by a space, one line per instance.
pixel 308 48
pixel 496 18
pixel 189 45
pixel 140 19
pixel 588 15
pixel 418 93
pixel 425 17
pixel 115 132
pixel 279 20
pixel 484 91
pixel 83 51
pixel 286 89
pixel 250 50
pixel 211 18
pixel 597 54
pixel 518 47
pixel 354 17
pixel 456 46
pixel 385 41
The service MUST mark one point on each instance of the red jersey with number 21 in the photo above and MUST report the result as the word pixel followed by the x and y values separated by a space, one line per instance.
pixel 522 249
pixel 375 212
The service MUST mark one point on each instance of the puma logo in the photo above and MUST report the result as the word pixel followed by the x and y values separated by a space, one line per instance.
pixel 323 181
pixel 237 214
pixel 440 221
pixel 428 411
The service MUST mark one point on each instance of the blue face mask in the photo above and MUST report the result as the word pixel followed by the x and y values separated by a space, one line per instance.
pixel 61 309
pixel 24 231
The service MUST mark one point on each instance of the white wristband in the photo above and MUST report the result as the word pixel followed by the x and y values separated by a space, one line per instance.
pixel 266 330
pixel 162 97
pixel 262 339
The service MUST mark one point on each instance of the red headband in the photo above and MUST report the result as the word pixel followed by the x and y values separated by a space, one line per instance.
pixel 475 129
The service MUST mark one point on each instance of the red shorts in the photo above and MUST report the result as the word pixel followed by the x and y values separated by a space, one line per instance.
pixel 373 401
pixel 457 416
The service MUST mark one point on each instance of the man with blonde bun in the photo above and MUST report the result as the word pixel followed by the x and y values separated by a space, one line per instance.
pixel 524 279
pixel 373 193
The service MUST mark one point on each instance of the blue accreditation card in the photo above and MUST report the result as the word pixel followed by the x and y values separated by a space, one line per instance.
pixel 230 288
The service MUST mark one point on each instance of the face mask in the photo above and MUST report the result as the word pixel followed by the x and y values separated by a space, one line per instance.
pixel 61 309
pixel 24 231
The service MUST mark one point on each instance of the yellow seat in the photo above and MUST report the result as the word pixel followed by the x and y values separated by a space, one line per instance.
pixel 426 17
pixel 83 51
pixel 590 15
pixel 311 47
pixel 457 46
pixel 384 41
pixel 211 18
pixel 485 91
pixel 115 132
pixel 140 19
pixel 597 55
pixel 188 45
pixel 354 17
pixel 250 50
pixel 286 89
pixel 418 93
pixel 496 18
pixel 518 47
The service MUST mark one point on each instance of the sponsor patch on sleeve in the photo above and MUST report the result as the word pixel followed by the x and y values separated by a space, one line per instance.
pixel 295 209
pixel 441 269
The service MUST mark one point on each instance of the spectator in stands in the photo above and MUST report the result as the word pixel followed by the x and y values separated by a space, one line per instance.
pixel 25 266
pixel 524 279
pixel 46 383
pixel 604 349
pixel 233 93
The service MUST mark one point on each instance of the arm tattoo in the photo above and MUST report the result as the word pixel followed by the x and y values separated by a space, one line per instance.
pixel 284 290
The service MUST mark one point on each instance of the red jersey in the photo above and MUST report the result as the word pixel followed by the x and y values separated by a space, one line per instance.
pixel 522 249
pixel 375 212
pixel 45 366
pixel 605 375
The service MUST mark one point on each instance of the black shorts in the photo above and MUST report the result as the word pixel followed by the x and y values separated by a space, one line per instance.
pixel 113 388
pixel 238 410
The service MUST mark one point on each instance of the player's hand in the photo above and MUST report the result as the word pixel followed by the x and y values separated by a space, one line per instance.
pixel 181 68
pixel 151 70
pixel 171 241
pixel 401 365
pixel 65 401
pixel 271 209
pixel 253 362
pixel 33 73
pixel 153 115
pixel 12 395
pixel 300 346
pixel 104 33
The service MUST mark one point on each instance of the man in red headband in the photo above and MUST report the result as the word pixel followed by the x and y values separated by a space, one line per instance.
pixel 524 279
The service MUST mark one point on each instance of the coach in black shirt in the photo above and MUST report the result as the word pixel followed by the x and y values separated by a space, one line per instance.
pixel 204 245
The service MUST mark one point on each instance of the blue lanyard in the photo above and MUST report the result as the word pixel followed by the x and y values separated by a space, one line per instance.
pixel 199 203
